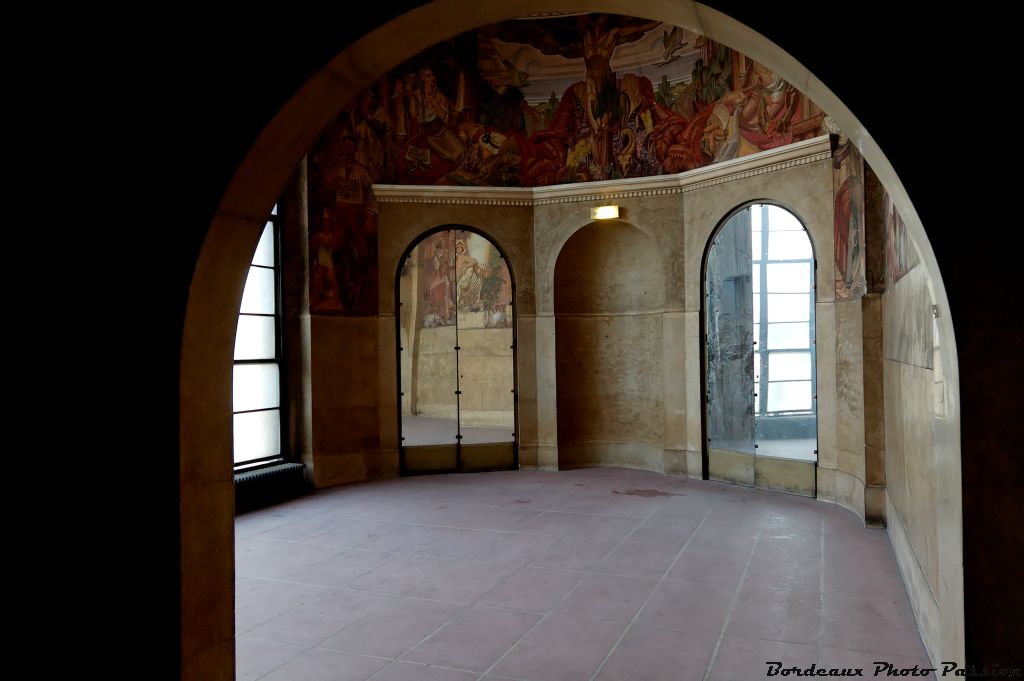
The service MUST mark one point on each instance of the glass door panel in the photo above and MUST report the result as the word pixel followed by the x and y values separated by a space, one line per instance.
pixel 785 412
pixel 428 357
pixel 486 365
pixel 457 355
pixel 730 353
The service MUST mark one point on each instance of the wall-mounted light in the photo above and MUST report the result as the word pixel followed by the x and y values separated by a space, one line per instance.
pixel 604 213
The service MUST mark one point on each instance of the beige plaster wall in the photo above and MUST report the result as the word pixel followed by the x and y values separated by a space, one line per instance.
pixel 346 437
pixel 913 402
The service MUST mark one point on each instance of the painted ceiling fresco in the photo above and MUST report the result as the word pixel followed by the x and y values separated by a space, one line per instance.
pixel 568 99
pixel 530 103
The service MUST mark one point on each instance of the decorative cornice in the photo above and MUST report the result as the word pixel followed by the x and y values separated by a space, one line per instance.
pixel 761 163
pixel 470 196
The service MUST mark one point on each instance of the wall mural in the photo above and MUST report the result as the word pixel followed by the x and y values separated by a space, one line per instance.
pixel 343 249
pixel 463 277
pixel 538 102
pixel 900 256
pixel 850 248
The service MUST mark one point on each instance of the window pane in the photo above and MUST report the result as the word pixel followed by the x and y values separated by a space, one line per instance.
pixel 257 434
pixel 780 219
pixel 795 396
pixel 256 386
pixel 789 246
pixel 273 211
pixel 757 369
pixel 789 366
pixel 756 275
pixel 789 307
pixel 757 313
pixel 789 278
pixel 254 338
pixel 755 243
pixel 258 296
pixel 265 250
pixel 785 336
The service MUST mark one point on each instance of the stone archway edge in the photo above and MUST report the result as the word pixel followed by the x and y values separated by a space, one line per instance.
pixel 206 509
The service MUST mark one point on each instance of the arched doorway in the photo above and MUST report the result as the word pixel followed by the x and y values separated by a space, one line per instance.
pixel 759 351
pixel 455 326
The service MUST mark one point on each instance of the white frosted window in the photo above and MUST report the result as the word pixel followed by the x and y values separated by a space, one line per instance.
pixel 755 244
pixel 265 249
pixel 258 295
pixel 757 314
pixel 787 336
pixel 789 366
pixel 780 220
pixel 789 277
pixel 789 396
pixel 756 274
pixel 273 211
pixel 256 386
pixel 256 435
pixel 789 307
pixel 789 246
pixel 255 338
pixel 757 368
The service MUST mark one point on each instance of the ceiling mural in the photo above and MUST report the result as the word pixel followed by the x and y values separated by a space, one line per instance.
pixel 535 102
pixel 569 99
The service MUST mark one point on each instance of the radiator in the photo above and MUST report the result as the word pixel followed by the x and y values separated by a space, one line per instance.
pixel 265 486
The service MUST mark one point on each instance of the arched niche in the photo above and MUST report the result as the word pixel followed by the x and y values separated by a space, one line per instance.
pixel 609 298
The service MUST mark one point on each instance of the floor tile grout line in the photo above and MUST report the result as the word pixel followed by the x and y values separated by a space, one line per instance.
pixel 421 642
pixel 732 604
pixel 567 594
pixel 647 600
pixel 528 565
pixel 463 607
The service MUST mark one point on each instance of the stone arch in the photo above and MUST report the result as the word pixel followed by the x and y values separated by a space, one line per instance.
pixel 206 508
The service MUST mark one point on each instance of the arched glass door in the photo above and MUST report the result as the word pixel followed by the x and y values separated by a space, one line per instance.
pixel 760 362
pixel 456 339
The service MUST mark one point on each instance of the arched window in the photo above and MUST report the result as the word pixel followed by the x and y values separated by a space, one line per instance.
pixel 257 375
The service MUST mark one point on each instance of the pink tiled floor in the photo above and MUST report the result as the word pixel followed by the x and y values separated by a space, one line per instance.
pixel 594 574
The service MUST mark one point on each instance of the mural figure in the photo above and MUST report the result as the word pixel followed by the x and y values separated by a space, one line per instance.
pixel 438 264
pixel 848 171
pixel 374 135
pixel 433 147
pixel 470 276
pixel 324 292
pixel 900 256
pixel 354 209
pixel 484 109
pixel 496 293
